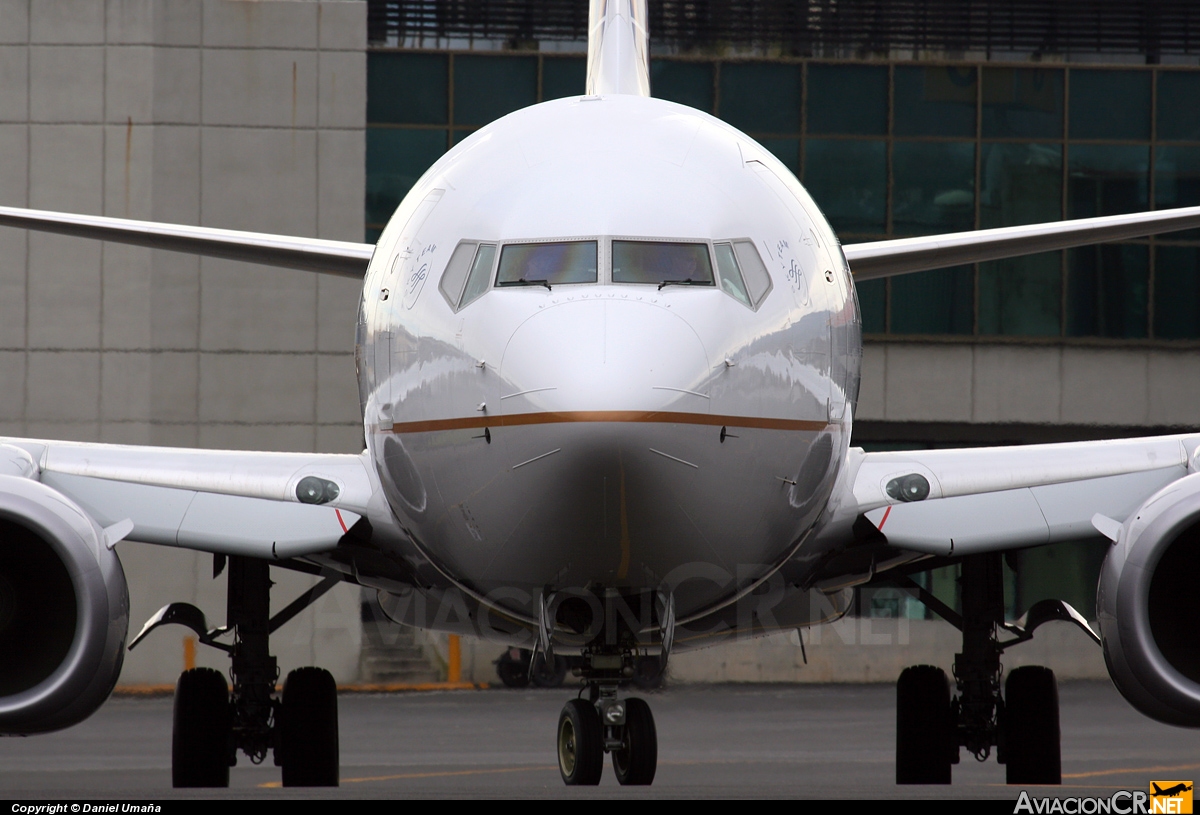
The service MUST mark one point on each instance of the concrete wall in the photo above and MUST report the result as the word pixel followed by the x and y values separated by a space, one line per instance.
pixel 247 115
pixel 863 649
pixel 854 649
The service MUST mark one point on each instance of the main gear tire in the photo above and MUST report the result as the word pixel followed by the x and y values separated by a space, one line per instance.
pixel 1033 750
pixel 200 738
pixel 924 726
pixel 308 729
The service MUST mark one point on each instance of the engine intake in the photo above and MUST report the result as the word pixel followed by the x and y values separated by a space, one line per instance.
pixel 64 610
pixel 1147 607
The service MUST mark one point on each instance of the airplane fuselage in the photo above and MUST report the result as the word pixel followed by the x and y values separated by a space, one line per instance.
pixel 625 431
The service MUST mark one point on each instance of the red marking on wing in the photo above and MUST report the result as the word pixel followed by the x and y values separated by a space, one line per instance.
pixel 882 520
pixel 338 512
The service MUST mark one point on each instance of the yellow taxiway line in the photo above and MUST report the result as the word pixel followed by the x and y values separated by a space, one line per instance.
pixel 147 690
pixel 1134 770
pixel 441 774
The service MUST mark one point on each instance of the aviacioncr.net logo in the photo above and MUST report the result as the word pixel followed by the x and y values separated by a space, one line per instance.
pixel 1121 802
pixel 1171 797
pixel 1163 798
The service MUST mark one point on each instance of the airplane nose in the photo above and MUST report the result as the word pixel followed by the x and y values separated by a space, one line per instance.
pixel 615 352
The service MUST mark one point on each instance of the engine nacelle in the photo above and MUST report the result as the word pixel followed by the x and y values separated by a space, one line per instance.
pixel 1149 606
pixel 64 610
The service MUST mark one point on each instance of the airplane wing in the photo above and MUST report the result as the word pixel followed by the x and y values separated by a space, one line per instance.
pixel 340 258
pixel 869 261
pixel 266 505
pixel 965 501
pixel 958 502
pixel 977 499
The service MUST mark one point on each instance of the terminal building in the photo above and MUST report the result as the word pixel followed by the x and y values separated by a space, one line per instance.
pixel 906 117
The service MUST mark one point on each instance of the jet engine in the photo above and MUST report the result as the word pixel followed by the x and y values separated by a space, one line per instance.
pixel 64 605
pixel 1148 604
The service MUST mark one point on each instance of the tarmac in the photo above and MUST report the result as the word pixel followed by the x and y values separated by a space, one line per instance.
pixel 736 740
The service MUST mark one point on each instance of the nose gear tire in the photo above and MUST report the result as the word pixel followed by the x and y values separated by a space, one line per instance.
pixel 637 760
pixel 580 744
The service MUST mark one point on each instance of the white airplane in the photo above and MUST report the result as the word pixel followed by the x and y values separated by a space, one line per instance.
pixel 608 355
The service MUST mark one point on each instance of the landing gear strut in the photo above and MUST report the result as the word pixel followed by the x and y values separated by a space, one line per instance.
pixel 212 723
pixel 1021 723
pixel 603 722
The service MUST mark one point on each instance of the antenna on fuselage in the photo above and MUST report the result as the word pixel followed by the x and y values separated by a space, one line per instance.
pixel 618 48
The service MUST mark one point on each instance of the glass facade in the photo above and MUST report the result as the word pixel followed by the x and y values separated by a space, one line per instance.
pixel 890 149
pixel 1065 571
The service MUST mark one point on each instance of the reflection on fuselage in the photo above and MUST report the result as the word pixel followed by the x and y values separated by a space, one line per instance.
pixel 599 427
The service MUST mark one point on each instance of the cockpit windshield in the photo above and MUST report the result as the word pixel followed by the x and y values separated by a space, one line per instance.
pixel 547 264
pixel 685 264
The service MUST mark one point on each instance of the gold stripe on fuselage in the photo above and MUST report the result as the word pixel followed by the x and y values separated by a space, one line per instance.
pixel 640 416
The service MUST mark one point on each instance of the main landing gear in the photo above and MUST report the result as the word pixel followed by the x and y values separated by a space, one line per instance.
pixel 212 723
pixel 599 721
pixel 1021 723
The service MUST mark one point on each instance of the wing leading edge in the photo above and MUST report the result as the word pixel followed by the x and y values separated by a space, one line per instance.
pixel 989 499
pixel 341 258
pixel 869 261
pixel 225 501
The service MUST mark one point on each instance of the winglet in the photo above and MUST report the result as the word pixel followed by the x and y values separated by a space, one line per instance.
pixel 618 48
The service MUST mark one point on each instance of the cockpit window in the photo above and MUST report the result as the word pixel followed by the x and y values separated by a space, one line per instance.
pixel 455 275
pixel 481 273
pixel 661 263
pixel 547 264
pixel 758 279
pixel 731 276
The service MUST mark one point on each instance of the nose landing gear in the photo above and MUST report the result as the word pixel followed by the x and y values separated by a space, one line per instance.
pixel 604 723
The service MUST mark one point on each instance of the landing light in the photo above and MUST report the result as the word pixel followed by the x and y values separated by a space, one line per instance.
pixel 313 490
pixel 912 487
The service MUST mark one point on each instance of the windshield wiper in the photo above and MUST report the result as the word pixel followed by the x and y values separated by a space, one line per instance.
pixel 687 282
pixel 526 282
